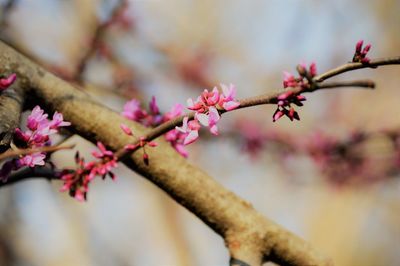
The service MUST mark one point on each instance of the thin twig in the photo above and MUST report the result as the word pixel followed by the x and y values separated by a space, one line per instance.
pixel 368 84
pixel 353 66
pixel 14 153
pixel 98 34
pixel 30 173
pixel 270 98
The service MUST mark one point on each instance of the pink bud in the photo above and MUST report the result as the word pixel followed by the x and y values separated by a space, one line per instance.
pixel 313 69
pixel 300 97
pixel 152 144
pixel 126 130
pixel 278 114
pixel 130 147
pixel 153 106
pixel 285 95
pixel 366 49
pixel 359 46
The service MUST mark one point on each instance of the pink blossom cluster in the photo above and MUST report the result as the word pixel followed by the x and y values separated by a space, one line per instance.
pixel 206 108
pixel 37 135
pixel 142 143
pixel 6 82
pixel 360 54
pixel 133 111
pixel 284 105
pixel 290 81
pixel 341 160
pixel 304 82
pixel 152 118
pixel 77 181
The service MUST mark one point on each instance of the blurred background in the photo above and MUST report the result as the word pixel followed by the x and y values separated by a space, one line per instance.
pixel 332 178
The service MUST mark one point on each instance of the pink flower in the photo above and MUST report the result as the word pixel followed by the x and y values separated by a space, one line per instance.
pixel 133 111
pixel 284 101
pixel 176 111
pixel 176 139
pixel 227 100
pixel 289 80
pixel 191 128
pixel 103 152
pixel 209 120
pixel 7 81
pixel 204 101
pixel 58 121
pixel 36 118
pixel 207 104
pixel 32 160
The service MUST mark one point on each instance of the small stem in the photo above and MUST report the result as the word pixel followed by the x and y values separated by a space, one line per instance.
pixel 353 66
pixel 98 34
pixel 13 153
pixel 369 84
pixel 28 173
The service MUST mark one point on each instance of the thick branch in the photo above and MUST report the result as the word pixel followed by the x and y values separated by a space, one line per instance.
pixel 249 236
pixel 11 104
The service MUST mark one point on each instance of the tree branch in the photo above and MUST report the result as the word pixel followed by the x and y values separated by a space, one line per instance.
pixel 13 153
pixel 250 237
pixel 353 66
pixel 368 84
pixel 11 104
pixel 31 173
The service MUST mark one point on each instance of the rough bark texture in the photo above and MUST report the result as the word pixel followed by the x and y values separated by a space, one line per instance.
pixel 11 103
pixel 250 237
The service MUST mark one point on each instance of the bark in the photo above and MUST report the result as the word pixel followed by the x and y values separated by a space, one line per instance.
pixel 250 237
pixel 11 103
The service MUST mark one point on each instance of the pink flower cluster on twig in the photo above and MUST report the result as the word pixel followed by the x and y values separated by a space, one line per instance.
pixel 284 101
pixel 77 181
pixel 153 117
pixel 39 129
pixel 142 143
pixel 206 109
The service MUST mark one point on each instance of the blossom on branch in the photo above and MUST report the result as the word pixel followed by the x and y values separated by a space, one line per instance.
pixel 190 129
pixel 77 181
pixel 37 135
pixel 304 82
pixel 206 108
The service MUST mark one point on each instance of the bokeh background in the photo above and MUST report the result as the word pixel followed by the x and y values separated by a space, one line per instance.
pixel 174 49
